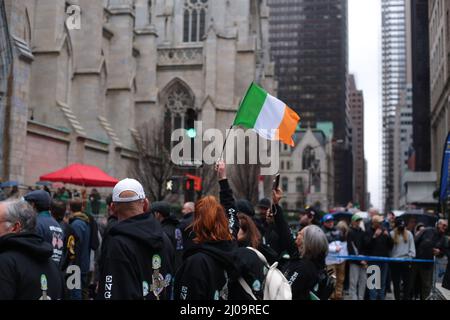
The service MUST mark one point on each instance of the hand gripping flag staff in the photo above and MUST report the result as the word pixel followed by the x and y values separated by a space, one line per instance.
pixel 268 116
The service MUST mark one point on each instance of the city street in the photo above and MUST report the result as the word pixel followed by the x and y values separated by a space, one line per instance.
pixel 241 150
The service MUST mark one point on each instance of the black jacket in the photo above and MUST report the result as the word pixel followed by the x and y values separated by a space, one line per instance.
pixel 426 240
pixel 209 268
pixel 186 230
pixel 136 261
pixel 276 235
pixel 227 201
pixel 303 275
pixel 186 221
pixel 27 271
pixel 207 271
pixel 251 269
pixel 271 238
pixel 357 243
pixel 111 222
pixel 380 246
pixel 286 242
pixel 170 225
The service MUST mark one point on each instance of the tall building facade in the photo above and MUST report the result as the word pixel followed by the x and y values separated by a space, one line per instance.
pixel 393 86
pixel 420 60
pixel 5 73
pixel 439 31
pixel 309 44
pixel 403 145
pixel 356 109
pixel 413 186
pixel 82 95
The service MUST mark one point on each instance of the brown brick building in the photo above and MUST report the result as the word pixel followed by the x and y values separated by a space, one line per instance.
pixel 355 102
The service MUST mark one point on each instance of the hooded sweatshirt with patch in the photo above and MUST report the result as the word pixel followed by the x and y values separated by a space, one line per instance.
pixel 136 261
pixel 49 229
pixel 207 272
pixel 78 249
pixel 27 271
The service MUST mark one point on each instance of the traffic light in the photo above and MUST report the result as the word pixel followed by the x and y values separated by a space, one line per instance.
pixel 193 182
pixel 173 184
pixel 191 133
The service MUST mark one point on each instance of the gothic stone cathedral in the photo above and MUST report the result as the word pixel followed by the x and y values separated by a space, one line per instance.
pixel 81 95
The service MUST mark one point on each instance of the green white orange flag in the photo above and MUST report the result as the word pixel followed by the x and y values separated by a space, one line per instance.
pixel 268 116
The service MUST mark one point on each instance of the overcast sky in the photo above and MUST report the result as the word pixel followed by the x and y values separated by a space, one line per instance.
pixel 365 63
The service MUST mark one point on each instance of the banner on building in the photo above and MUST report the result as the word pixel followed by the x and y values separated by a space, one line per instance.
pixel 445 175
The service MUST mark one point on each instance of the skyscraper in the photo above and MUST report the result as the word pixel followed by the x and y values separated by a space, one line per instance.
pixel 439 23
pixel 420 84
pixel 356 109
pixel 393 84
pixel 309 41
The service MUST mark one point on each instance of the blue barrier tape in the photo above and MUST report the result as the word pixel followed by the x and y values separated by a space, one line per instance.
pixel 385 259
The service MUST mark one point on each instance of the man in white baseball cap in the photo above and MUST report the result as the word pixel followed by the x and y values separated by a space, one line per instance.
pixel 128 199
pixel 137 259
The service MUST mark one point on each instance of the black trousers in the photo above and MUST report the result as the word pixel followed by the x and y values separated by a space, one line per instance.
pixel 422 277
pixel 401 279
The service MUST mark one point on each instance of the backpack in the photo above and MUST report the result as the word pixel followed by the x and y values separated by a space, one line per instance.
pixel 276 286
pixel 324 287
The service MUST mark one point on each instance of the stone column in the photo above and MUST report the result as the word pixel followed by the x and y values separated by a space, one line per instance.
pixel 17 95
pixel 88 94
pixel 120 95
pixel 146 88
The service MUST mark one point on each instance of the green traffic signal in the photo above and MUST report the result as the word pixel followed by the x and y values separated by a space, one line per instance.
pixel 192 133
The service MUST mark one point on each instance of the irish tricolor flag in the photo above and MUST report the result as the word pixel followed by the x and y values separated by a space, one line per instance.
pixel 268 116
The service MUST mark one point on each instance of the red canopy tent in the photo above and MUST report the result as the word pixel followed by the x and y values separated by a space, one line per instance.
pixel 81 174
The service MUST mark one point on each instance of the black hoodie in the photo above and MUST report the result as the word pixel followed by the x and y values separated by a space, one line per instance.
pixel 136 261
pixel 170 226
pixel 185 227
pixel 27 271
pixel 303 275
pixel 207 271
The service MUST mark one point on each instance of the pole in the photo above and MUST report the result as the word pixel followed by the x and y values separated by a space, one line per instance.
pixel 225 143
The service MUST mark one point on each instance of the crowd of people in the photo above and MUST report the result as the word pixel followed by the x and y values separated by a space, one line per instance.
pixel 221 249
pixel 403 253
pixel 61 193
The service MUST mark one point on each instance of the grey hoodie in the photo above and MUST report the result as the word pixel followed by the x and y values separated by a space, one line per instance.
pixel 402 249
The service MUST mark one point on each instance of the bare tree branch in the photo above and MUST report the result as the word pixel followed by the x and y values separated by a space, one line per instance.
pixel 154 166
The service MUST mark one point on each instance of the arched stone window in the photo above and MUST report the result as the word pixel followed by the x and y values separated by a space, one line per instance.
pixel 308 158
pixel 194 20
pixel 180 111
pixel 299 185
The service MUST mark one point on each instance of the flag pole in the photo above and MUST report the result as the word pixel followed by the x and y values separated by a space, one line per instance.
pixel 229 131
pixel 225 142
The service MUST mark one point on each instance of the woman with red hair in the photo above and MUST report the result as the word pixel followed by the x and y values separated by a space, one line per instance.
pixel 209 265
